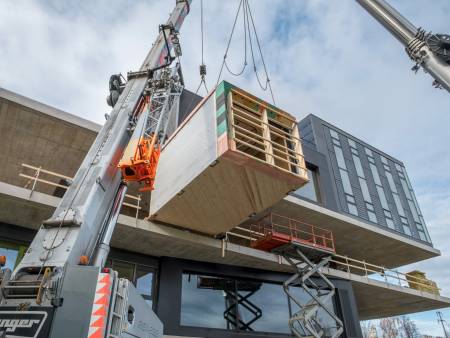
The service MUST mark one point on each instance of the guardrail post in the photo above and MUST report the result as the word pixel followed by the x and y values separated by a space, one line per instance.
pixel 348 267
pixel 365 269
pixel 36 176
pixel 399 279
pixel 138 205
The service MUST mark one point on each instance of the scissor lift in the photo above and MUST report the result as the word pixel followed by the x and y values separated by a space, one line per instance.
pixel 307 248
pixel 237 294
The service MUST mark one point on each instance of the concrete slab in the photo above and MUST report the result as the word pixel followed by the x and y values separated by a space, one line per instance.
pixel 357 239
pixel 18 207
pixel 39 135
pixel 375 299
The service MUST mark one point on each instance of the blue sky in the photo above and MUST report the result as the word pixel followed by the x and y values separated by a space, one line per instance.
pixel 324 57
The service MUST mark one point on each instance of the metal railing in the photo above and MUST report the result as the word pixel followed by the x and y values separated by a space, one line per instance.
pixel 293 230
pixel 249 235
pixel 379 273
pixel 37 177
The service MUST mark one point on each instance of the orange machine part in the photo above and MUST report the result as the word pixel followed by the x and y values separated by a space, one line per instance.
pixel 142 166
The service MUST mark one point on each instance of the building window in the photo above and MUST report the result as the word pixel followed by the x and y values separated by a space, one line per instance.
pixel 340 157
pixel 13 252
pixel 311 189
pixel 346 182
pixel 265 308
pixel 142 276
pixel 215 302
pixel 362 181
pixel 380 190
pixel 343 171
pixel 412 203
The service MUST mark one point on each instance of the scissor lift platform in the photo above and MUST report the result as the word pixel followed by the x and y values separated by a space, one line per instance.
pixel 307 249
pixel 277 233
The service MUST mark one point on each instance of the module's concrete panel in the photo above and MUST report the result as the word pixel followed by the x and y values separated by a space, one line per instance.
pixel 227 162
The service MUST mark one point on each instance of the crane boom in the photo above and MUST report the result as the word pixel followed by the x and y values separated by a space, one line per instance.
pixel 61 274
pixel 429 51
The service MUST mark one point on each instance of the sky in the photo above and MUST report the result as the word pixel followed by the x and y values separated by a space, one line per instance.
pixel 326 57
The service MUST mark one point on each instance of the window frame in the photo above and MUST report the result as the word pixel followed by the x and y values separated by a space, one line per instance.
pixel 334 301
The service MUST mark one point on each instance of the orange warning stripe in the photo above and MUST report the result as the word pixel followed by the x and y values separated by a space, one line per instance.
pixel 100 306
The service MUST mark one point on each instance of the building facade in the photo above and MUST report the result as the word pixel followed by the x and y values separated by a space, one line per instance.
pixel 201 286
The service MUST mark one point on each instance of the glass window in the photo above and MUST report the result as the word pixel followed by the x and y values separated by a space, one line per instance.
pixel 211 302
pixel 422 236
pixel 352 143
pixel 358 166
pixel 390 223
pixel 383 199
pixel 144 283
pixel 323 318
pixel 141 276
pixel 273 302
pixel 352 209
pixel 407 229
pixel 375 175
pixel 124 269
pixel 372 216
pixel 391 182
pixel 398 204
pixel 340 158
pixel 334 134
pixel 336 142
pixel 413 211
pixel 13 253
pixel 384 160
pixel 203 301
pixel 365 190
pixel 368 152
pixel 310 189
pixel 406 189
pixel 350 199
pixel 346 182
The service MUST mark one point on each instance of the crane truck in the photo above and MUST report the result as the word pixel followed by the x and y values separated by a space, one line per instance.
pixel 61 287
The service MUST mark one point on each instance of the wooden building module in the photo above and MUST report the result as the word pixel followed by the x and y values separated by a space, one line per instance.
pixel 234 156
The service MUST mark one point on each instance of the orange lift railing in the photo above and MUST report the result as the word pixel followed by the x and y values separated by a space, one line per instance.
pixel 275 230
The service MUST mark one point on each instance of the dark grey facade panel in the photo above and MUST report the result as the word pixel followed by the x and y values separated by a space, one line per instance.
pixel 398 207
pixel 188 101
pixel 307 133
pixel 319 164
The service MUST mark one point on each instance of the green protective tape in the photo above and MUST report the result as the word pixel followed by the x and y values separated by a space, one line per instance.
pixel 221 110
pixel 271 114
pixel 223 88
pixel 222 127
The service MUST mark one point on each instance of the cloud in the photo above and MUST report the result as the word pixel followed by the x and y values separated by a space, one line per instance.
pixel 324 57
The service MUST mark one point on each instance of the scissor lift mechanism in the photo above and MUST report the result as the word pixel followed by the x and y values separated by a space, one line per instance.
pixel 307 249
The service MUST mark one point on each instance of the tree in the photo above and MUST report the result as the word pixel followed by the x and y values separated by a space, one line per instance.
pixel 369 330
pixel 389 327
pixel 408 328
